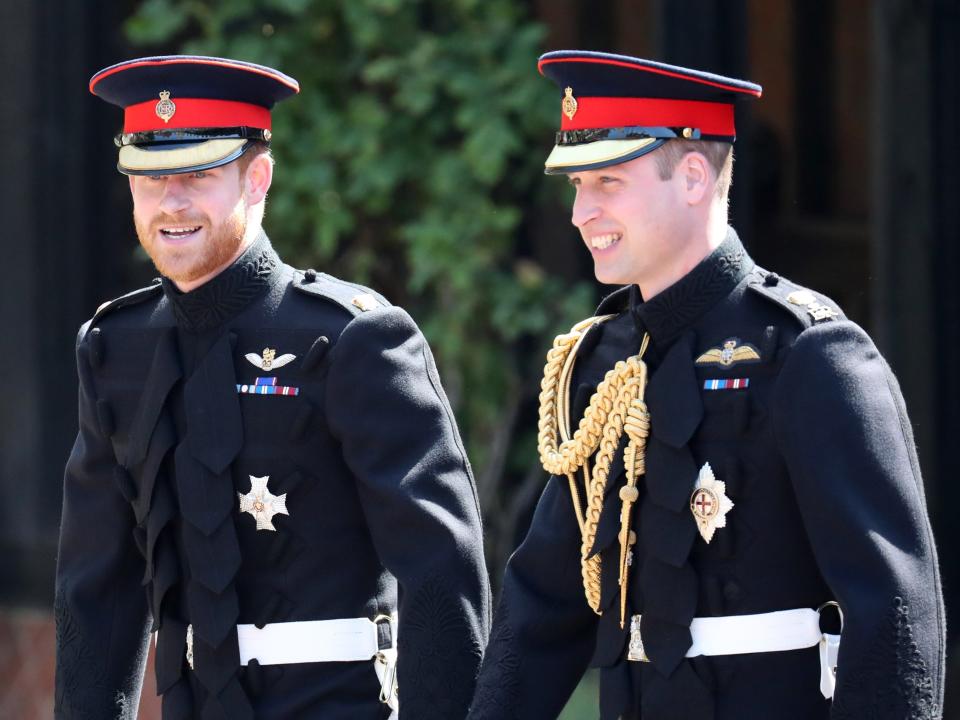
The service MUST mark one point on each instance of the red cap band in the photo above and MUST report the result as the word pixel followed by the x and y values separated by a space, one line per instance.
pixel 594 113
pixel 195 113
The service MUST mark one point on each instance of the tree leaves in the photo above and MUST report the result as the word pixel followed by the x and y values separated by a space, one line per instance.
pixel 410 160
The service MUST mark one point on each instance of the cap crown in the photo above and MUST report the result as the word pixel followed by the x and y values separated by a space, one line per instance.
pixel 615 108
pixel 184 113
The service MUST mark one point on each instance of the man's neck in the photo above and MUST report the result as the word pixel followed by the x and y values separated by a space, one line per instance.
pixel 704 241
pixel 248 238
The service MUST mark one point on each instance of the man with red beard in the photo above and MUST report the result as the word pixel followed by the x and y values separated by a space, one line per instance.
pixel 267 473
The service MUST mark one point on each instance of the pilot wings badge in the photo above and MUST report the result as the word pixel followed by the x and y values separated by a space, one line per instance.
pixel 731 353
pixel 269 360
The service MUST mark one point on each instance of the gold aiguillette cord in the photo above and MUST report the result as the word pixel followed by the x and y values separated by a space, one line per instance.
pixel 616 407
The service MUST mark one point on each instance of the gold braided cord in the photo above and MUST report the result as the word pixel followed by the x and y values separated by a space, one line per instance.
pixel 612 407
pixel 575 496
pixel 637 427
pixel 563 409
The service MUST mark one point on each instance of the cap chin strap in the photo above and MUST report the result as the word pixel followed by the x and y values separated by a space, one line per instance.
pixel 186 135
pixel 636 132
pixel 631 132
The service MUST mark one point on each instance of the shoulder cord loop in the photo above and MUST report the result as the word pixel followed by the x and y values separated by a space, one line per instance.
pixel 615 407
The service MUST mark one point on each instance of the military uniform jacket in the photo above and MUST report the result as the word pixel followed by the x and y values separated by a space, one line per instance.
pixel 818 458
pixel 382 515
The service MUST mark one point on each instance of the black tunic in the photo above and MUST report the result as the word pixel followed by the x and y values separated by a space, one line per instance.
pixel 383 514
pixel 818 457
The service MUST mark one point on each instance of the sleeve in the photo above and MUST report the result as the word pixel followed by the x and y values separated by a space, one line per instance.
pixel 544 632
pixel 100 605
pixel 840 420
pixel 386 406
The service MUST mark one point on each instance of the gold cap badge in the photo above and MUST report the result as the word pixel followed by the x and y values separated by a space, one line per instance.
pixel 569 104
pixel 165 108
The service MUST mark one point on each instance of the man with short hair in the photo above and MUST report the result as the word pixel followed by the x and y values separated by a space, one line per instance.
pixel 730 456
pixel 267 472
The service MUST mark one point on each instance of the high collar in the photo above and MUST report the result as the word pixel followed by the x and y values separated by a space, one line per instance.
pixel 223 297
pixel 670 312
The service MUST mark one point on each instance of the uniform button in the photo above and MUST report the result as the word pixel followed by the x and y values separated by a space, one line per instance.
pixel 310 275
pixel 732 591
pixel 771 279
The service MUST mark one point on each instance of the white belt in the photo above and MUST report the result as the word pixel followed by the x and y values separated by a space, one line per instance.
pixel 765 632
pixel 310 641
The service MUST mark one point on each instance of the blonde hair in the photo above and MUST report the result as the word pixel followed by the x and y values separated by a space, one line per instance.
pixel 718 154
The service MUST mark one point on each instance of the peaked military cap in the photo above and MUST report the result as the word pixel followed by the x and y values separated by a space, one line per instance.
pixel 616 108
pixel 184 113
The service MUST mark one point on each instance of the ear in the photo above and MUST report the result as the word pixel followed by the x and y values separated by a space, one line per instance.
pixel 257 181
pixel 130 179
pixel 697 177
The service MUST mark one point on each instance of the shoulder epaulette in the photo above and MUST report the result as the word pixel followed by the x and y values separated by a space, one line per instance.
pixel 615 303
pixel 131 298
pixel 352 297
pixel 807 306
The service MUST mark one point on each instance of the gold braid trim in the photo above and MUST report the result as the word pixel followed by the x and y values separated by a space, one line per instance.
pixel 637 428
pixel 616 404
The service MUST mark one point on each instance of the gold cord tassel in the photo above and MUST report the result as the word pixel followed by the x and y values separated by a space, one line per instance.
pixel 615 407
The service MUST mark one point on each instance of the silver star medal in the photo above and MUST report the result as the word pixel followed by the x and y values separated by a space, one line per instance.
pixel 709 503
pixel 262 504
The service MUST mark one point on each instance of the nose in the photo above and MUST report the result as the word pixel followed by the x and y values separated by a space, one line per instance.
pixel 175 197
pixel 585 208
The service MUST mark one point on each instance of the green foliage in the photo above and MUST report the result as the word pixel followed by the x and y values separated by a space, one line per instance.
pixel 410 161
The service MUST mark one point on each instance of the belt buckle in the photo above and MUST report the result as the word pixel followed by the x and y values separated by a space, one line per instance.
pixel 830 603
pixel 635 650
pixel 389 622
pixel 387 657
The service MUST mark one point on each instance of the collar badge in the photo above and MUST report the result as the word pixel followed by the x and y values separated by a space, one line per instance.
pixel 569 104
pixel 263 504
pixel 709 503
pixel 165 108
pixel 818 311
pixel 365 302
pixel 731 352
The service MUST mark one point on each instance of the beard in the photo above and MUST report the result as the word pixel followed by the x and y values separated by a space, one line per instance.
pixel 188 263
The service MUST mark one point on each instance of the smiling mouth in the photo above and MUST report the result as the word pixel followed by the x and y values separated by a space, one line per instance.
pixel 179 233
pixel 602 242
